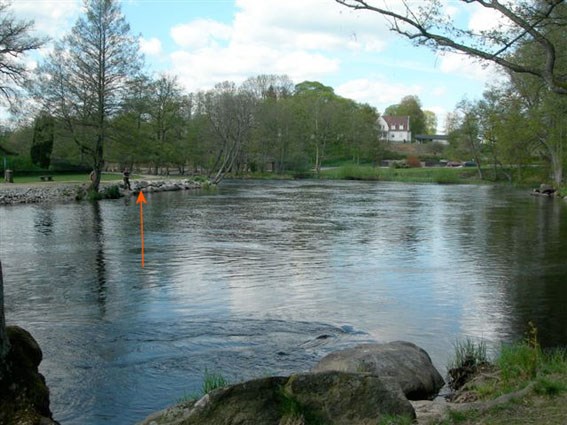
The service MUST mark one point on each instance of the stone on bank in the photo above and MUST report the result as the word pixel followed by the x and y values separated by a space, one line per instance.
pixel 357 386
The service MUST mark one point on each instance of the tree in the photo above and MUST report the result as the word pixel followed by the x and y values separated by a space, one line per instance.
pixel 42 142
pixel 428 23
pixel 165 120
pixel 430 122
pixel 230 112
pixel 15 41
pixel 84 81
pixel 466 133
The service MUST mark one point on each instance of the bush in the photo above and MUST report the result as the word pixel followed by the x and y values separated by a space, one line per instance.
pixel 413 162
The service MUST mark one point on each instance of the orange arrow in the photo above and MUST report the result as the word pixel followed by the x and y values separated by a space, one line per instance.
pixel 142 200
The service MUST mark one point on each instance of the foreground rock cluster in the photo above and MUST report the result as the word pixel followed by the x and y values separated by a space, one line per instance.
pixel 357 386
pixel 24 396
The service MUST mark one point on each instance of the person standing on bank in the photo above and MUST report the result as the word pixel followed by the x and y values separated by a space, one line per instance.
pixel 126 178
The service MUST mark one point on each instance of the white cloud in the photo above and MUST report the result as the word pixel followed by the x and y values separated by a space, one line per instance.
pixel 303 40
pixel 200 33
pixel 484 19
pixel 151 47
pixel 465 66
pixel 51 17
pixel 377 92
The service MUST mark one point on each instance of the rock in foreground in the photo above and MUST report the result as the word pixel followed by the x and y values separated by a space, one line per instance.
pixel 24 396
pixel 326 398
pixel 406 363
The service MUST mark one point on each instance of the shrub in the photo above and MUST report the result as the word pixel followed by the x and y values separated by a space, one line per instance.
pixel 413 162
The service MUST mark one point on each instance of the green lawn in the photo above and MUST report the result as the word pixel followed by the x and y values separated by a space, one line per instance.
pixel 414 175
pixel 66 178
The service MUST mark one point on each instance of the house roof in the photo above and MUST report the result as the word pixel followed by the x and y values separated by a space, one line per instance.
pixel 394 122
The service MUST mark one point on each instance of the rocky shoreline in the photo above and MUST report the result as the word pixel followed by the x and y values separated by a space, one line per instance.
pixel 14 194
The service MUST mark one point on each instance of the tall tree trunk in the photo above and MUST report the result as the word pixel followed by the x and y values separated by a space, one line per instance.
pixel 4 343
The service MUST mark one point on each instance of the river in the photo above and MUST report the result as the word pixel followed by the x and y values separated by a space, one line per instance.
pixel 266 277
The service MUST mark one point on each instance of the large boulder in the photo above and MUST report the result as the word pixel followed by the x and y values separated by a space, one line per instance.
pixel 24 396
pixel 405 363
pixel 327 398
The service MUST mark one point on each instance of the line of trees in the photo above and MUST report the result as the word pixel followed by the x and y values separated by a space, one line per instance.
pixel 92 90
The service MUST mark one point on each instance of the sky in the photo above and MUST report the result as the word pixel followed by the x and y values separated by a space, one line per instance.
pixel 204 42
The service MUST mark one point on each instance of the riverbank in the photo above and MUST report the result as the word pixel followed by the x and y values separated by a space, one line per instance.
pixel 55 192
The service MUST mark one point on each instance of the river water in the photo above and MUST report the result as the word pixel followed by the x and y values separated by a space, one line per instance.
pixel 262 278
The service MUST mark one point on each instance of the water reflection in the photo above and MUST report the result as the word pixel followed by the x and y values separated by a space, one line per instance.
pixel 100 262
pixel 244 280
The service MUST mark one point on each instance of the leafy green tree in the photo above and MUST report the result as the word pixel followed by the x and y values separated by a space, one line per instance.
pixel 42 143
pixel 132 141
pixel 84 80
pixel 430 122
pixel 466 133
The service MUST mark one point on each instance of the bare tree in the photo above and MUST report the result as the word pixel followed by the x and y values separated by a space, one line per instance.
pixel 15 41
pixel 84 81
pixel 524 21
pixel 230 112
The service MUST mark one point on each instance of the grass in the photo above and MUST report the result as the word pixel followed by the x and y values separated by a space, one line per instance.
pixel 67 178
pixel 211 381
pixel 518 366
pixel 440 175
pixel 469 352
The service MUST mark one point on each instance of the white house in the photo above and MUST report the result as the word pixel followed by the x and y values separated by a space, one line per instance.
pixel 395 129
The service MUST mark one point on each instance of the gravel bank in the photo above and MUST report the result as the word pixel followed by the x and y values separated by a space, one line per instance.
pixel 11 194
pixel 33 193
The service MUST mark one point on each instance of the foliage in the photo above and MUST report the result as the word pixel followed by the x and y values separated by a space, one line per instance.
pixel 16 39
pixel 42 144
pixel 521 361
pixel 413 161
pixel 523 22
pixel 212 381
pixel 84 79
pixel 469 353
pixel 468 358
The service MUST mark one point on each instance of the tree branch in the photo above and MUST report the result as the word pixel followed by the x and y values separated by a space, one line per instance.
pixel 425 33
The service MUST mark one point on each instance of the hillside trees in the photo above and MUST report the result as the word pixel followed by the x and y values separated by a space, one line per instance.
pixel 84 80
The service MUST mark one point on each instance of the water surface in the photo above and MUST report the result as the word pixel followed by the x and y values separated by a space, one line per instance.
pixel 263 278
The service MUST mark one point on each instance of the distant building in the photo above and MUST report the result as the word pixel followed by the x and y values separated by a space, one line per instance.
pixel 430 138
pixel 395 129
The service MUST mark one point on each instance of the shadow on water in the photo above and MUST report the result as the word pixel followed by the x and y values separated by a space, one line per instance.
pixel 100 262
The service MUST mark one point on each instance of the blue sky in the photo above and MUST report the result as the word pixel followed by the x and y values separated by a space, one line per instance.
pixel 204 42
